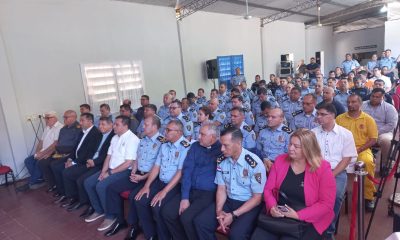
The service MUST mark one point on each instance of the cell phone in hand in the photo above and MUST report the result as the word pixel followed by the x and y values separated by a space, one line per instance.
pixel 282 208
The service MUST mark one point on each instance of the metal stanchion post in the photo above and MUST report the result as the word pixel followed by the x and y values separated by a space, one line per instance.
pixel 359 170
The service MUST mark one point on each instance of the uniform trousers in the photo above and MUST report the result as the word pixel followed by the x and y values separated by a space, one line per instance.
pixel 241 228
pixel 70 178
pixel 96 189
pixel 45 166
pixel 369 187
pixel 32 165
pixel 182 227
pixel 150 217
pixel 115 204
pixel 57 167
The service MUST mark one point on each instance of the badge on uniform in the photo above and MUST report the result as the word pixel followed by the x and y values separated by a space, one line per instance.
pixel 281 139
pixel 222 116
pixel 176 154
pixel 257 176
pixel 245 173
pixel 188 127
pixel 154 145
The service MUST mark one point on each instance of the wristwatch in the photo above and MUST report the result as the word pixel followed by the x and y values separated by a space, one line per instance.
pixel 109 171
pixel 234 216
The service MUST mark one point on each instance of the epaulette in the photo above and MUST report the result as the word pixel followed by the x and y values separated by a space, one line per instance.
pixel 185 144
pixel 162 139
pixel 195 124
pixel 219 101
pixel 228 125
pixel 219 110
pixel 294 114
pixel 246 109
pixel 221 158
pixel 198 101
pixel 186 118
pixel 287 129
pixel 250 160
pixel 263 127
pixel 192 109
pixel 247 128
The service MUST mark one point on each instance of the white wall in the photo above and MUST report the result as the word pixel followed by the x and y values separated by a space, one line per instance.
pixel 346 42
pixel 392 36
pixel 208 35
pixel 281 38
pixel 321 39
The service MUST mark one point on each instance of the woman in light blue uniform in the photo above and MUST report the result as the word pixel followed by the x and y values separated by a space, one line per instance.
pixel 203 115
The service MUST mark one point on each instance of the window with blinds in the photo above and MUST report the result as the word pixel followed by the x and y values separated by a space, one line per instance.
pixel 111 83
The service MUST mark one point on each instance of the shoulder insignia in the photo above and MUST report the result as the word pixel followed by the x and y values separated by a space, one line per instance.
pixel 195 124
pixel 246 109
pixel 220 101
pixel 287 129
pixel 185 144
pixel 162 139
pixel 263 127
pixel 198 101
pixel 78 126
pixel 297 113
pixel 219 111
pixel 192 109
pixel 228 125
pixel 250 160
pixel 247 128
pixel 185 118
pixel 221 158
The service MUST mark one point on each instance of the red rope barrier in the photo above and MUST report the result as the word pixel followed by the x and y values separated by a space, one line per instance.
pixel 389 177
pixel 352 234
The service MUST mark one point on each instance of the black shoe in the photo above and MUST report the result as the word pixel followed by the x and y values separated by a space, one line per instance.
pixel 74 207
pixel 69 203
pixel 115 229
pixel 153 238
pixel 89 211
pixel 133 233
pixel 61 199
pixel 23 188
pixel 56 195
pixel 51 189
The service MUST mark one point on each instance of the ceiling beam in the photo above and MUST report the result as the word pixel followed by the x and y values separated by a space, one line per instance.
pixel 192 7
pixel 348 12
pixel 255 5
pixel 288 12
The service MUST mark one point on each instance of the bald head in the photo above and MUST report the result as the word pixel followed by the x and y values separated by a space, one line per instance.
pixel 275 118
pixel 328 94
pixel 213 105
pixel 69 117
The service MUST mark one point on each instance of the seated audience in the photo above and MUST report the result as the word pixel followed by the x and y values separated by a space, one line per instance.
pixel 204 115
pixel 175 113
pixel 328 97
pixel 237 121
pixel 291 105
pixel 84 108
pixel 126 110
pixel 306 118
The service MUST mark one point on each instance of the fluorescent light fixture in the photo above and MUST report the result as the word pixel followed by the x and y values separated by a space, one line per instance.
pixel 383 9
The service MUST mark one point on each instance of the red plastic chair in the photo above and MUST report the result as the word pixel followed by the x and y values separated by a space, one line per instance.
pixel 6 170
pixel 125 195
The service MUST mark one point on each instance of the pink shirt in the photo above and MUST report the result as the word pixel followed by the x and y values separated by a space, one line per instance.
pixel 319 192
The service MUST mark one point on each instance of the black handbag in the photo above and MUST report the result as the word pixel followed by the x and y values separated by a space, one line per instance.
pixel 283 226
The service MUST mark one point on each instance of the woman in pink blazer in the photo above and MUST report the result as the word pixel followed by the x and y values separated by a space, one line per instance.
pixel 301 186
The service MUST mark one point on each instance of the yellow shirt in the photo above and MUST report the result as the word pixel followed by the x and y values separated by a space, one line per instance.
pixel 363 127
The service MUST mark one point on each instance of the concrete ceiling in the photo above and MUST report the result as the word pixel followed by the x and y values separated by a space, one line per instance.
pixel 332 11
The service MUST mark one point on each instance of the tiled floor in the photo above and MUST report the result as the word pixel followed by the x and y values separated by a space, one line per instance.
pixel 33 215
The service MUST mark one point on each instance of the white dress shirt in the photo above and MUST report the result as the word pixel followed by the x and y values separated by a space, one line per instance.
pixel 50 135
pixel 123 148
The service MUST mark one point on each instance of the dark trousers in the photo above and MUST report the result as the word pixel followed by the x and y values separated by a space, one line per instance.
pixel 34 170
pixel 182 227
pixel 69 177
pixel 150 217
pixel 83 196
pixel 309 233
pixel 45 166
pixel 241 228
pixel 115 204
pixel 57 167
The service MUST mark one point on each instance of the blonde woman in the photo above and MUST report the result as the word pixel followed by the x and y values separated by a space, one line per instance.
pixel 300 186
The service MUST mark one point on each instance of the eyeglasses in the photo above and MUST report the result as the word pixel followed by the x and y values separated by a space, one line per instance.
pixel 47 118
pixel 173 108
pixel 171 130
pixel 65 117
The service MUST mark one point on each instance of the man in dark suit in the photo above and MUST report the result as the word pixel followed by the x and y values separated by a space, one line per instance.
pixel 74 178
pixel 86 147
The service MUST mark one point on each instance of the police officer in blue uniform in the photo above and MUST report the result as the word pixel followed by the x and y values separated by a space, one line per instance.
pixel 163 111
pixel 274 139
pixel 149 110
pixel 343 92
pixel 238 78
pixel 389 62
pixel 175 113
pixel 223 95
pixel 292 105
pixel 201 98
pixel 237 101
pixel 349 64
pixel 163 182
pixel 305 87
pixel 240 178
pixel 198 188
pixel 147 153
pixel 263 95
pixel 262 119
pixel 306 118
pixel 247 93
pixel 203 117
pixel 249 136
pixel 218 116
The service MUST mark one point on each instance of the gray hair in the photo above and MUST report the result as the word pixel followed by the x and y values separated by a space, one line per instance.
pixel 211 128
